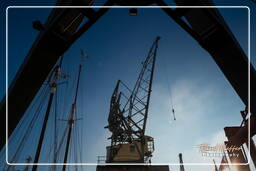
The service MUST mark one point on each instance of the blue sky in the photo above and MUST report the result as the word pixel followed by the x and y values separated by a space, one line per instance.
pixel 203 99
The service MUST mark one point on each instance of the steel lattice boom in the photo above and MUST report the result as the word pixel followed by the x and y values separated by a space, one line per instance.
pixel 128 113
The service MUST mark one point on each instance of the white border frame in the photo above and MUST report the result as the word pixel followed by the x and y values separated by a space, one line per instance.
pixel 144 164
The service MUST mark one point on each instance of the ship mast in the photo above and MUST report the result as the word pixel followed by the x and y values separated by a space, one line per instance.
pixel 72 116
pixel 53 80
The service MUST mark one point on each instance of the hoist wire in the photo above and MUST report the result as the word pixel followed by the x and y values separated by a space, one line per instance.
pixel 169 87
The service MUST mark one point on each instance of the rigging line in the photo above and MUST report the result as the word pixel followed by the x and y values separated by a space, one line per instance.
pixel 52 145
pixel 70 151
pixel 74 147
pixel 66 88
pixel 73 143
pixel 62 140
pixel 28 113
pixel 55 128
pixel 64 96
pixel 61 143
pixel 55 75
pixel 80 144
pixel 29 129
pixel 76 130
pixel 11 140
pixel 43 129
pixel 80 126
pixel 50 150
pixel 81 147
pixel 71 118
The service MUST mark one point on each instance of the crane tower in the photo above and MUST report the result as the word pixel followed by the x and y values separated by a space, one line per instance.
pixel 128 116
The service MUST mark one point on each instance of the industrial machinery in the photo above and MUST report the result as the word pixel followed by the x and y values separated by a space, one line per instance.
pixel 128 116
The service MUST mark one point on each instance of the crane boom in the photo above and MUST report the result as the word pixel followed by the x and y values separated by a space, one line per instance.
pixel 128 114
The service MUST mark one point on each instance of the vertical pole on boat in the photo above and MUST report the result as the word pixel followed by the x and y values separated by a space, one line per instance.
pixel 55 76
pixel 38 151
pixel 71 120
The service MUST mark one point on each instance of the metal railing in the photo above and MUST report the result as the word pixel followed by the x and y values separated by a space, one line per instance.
pixel 101 159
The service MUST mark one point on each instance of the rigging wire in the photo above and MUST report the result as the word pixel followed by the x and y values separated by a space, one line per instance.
pixel 60 145
pixel 66 88
pixel 73 117
pixel 12 140
pixel 51 146
pixel 75 147
pixel 29 128
pixel 41 98
pixel 81 159
pixel 55 130
pixel 81 128
pixel 70 151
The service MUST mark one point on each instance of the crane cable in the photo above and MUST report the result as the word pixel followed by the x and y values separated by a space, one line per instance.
pixel 169 89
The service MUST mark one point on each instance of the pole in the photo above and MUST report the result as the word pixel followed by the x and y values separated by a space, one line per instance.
pixel 38 151
pixel 71 120
pixel 181 163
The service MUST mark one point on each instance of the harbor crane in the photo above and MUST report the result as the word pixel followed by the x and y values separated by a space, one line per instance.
pixel 128 117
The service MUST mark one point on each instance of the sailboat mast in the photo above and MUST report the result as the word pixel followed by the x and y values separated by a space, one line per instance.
pixel 53 87
pixel 39 147
pixel 71 119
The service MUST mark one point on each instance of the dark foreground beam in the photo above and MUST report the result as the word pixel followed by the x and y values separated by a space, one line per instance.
pixel 52 43
pixel 34 70
pixel 231 133
pixel 210 30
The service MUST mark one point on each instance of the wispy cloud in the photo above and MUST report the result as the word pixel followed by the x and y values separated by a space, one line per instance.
pixel 191 103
